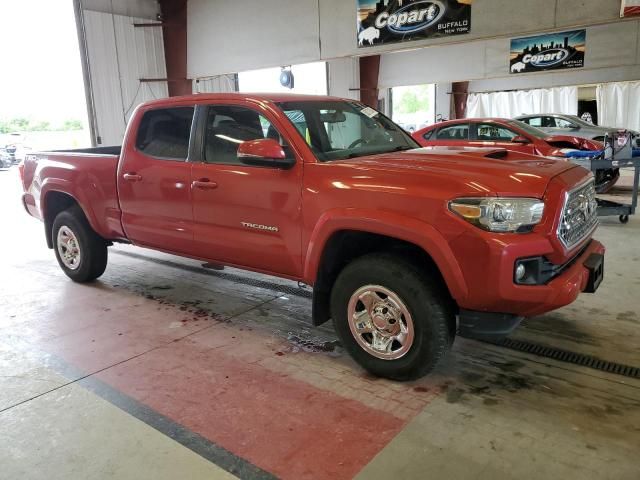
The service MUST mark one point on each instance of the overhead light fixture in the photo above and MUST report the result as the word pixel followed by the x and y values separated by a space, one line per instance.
pixel 286 77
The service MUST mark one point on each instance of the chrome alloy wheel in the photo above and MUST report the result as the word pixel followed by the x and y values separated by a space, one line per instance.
pixel 68 248
pixel 380 322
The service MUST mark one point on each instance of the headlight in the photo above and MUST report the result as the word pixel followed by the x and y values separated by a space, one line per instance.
pixel 500 214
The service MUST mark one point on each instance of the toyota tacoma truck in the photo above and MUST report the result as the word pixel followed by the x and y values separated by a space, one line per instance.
pixel 404 246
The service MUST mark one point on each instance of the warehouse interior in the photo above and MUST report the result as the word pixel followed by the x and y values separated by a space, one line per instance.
pixel 172 365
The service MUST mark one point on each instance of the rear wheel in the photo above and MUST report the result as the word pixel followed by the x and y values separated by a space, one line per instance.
pixel 81 252
pixel 393 321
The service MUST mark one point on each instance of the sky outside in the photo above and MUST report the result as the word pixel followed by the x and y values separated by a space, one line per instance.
pixel 40 69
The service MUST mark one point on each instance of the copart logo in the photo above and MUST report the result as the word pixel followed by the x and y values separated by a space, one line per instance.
pixel 412 18
pixel 547 58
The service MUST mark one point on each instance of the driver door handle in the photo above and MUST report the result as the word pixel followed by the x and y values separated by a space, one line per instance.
pixel 132 177
pixel 204 184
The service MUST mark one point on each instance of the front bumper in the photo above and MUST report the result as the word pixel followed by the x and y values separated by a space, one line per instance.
pixel 496 291
pixel 583 275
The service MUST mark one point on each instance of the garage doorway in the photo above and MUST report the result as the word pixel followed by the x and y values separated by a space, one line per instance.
pixel 413 107
pixel 588 103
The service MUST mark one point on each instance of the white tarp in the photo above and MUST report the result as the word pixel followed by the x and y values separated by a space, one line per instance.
pixel 619 105
pixel 523 102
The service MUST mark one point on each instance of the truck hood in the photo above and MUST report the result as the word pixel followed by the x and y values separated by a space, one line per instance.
pixel 474 171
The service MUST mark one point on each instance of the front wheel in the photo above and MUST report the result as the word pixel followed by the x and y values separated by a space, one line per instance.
pixel 393 320
pixel 81 252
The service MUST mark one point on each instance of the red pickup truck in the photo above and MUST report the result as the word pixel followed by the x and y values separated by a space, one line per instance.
pixel 403 246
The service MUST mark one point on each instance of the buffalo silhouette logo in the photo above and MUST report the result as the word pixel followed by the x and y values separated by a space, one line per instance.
pixel 369 35
pixel 518 67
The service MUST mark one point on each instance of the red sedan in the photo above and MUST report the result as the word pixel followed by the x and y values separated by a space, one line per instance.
pixel 511 135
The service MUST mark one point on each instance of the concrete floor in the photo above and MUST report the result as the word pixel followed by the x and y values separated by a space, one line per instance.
pixel 162 369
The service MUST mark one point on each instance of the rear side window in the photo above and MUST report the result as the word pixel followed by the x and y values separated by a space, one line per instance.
pixel 165 133
pixel 454 132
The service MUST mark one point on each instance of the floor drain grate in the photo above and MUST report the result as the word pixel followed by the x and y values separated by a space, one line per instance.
pixel 567 357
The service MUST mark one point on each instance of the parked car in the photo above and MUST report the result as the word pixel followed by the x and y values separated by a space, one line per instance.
pixel 5 159
pixel 11 152
pixel 560 124
pixel 14 145
pixel 512 135
pixel 402 245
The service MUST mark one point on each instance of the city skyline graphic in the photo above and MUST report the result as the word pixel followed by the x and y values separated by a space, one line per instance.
pixel 575 39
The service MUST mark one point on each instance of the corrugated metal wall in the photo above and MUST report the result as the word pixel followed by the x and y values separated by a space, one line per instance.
pixel 119 55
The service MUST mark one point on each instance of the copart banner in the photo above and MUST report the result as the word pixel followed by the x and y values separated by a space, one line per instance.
pixel 388 21
pixel 630 8
pixel 553 51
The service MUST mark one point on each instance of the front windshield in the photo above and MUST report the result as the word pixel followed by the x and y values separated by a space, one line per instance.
pixel 336 130
pixel 533 131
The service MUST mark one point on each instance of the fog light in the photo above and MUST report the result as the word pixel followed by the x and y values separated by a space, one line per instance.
pixel 521 271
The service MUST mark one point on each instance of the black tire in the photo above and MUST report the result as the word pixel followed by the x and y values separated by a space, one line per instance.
pixel 606 179
pixel 428 304
pixel 624 219
pixel 93 248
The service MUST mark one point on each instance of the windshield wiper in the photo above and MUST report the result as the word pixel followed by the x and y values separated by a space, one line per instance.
pixel 395 149
pixel 356 155
pixel 401 149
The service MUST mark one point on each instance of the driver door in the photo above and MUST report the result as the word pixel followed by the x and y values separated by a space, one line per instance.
pixel 245 215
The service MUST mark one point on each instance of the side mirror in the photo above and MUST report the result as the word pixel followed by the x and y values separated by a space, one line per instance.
pixel 520 139
pixel 264 152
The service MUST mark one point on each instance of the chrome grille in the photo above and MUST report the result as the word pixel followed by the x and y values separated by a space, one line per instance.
pixel 579 216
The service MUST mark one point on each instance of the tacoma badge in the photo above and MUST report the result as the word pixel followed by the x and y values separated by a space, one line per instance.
pixel 256 226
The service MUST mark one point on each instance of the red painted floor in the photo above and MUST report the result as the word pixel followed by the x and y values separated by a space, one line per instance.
pixel 240 384
pixel 284 426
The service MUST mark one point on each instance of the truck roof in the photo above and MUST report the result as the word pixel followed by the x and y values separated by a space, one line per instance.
pixel 272 97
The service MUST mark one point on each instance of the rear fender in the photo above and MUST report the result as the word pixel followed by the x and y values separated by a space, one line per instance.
pixel 66 187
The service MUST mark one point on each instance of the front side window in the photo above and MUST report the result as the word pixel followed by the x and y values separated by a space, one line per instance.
pixel 428 135
pixel 228 126
pixel 490 132
pixel 165 133
pixel 562 123
pixel 534 121
pixel 454 132
pixel 337 130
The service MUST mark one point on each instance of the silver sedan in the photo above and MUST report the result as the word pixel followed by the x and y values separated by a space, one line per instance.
pixel 560 124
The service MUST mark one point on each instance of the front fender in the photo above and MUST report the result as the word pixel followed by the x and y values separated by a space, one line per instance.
pixel 391 225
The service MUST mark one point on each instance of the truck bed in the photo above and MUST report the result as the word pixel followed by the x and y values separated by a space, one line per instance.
pixel 88 175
